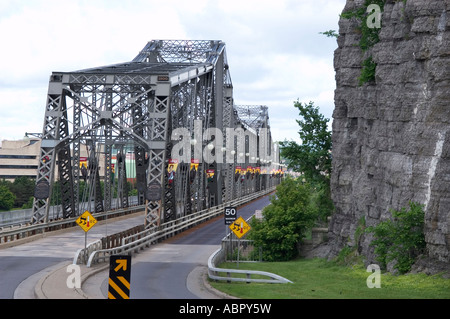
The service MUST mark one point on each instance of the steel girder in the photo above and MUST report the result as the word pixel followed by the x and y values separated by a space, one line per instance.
pixel 181 51
pixel 99 117
pixel 137 107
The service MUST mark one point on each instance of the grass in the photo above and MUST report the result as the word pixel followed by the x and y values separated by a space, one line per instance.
pixel 321 279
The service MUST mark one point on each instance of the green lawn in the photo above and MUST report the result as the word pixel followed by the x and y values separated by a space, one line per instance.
pixel 318 278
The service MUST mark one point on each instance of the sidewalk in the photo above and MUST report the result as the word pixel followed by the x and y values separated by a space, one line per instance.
pixel 51 281
pixel 53 284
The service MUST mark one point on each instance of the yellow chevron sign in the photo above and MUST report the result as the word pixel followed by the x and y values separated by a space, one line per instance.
pixel 119 277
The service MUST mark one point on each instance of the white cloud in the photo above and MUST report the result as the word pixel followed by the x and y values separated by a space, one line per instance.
pixel 68 35
pixel 275 53
pixel 21 111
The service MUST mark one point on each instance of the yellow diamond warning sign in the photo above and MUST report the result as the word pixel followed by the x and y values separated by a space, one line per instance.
pixel 240 227
pixel 86 221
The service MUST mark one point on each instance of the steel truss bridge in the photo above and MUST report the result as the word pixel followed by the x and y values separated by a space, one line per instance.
pixel 171 109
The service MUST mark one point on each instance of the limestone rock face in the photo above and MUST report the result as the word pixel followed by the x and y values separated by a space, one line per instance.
pixel 391 136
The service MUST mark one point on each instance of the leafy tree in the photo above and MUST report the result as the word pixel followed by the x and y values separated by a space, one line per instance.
pixel 312 157
pixel 23 189
pixel 285 221
pixel 4 182
pixel 6 198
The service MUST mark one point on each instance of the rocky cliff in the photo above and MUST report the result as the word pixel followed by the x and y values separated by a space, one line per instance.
pixel 391 132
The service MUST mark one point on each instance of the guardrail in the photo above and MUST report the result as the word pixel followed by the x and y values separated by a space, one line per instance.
pixel 82 254
pixel 105 242
pixel 143 239
pixel 22 217
pixel 219 256
pixel 19 232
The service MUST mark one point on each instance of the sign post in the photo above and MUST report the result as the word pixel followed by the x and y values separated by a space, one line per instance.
pixel 86 221
pixel 119 277
pixel 239 228
pixel 230 214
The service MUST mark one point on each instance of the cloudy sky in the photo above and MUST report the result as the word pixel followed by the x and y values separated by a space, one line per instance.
pixel 274 49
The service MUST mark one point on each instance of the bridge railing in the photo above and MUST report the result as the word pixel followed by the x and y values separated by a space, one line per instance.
pixel 82 254
pixel 13 233
pixel 22 217
pixel 144 239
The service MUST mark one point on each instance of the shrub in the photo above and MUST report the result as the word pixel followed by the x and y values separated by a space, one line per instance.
pixel 369 37
pixel 7 198
pixel 285 221
pixel 368 71
pixel 400 240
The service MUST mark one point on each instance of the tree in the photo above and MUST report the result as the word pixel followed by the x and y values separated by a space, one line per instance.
pixel 285 221
pixel 6 198
pixel 23 189
pixel 312 157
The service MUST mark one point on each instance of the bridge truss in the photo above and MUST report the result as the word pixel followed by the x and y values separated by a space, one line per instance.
pixel 171 109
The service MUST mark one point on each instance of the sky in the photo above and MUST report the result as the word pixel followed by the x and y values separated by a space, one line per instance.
pixel 274 50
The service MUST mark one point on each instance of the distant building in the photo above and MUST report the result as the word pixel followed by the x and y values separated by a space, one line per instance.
pixel 19 158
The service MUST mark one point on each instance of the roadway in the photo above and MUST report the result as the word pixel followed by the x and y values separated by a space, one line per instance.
pixel 21 262
pixel 170 269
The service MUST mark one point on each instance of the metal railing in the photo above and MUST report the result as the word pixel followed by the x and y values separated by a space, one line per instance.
pixel 144 239
pixel 109 241
pixel 240 250
pixel 82 254
pixel 19 232
pixel 22 217
pixel 214 272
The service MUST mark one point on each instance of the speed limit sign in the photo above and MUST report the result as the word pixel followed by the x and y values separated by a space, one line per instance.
pixel 230 214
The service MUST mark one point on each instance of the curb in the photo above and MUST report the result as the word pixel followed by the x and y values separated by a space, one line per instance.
pixel 53 285
pixel 213 290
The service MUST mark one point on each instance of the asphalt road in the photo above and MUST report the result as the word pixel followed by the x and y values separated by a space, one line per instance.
pixel 14 270
pixel 162 271
pixel 159 272
pixel 21 262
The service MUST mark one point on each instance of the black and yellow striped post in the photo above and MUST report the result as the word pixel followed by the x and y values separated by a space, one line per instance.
pixel 119 277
